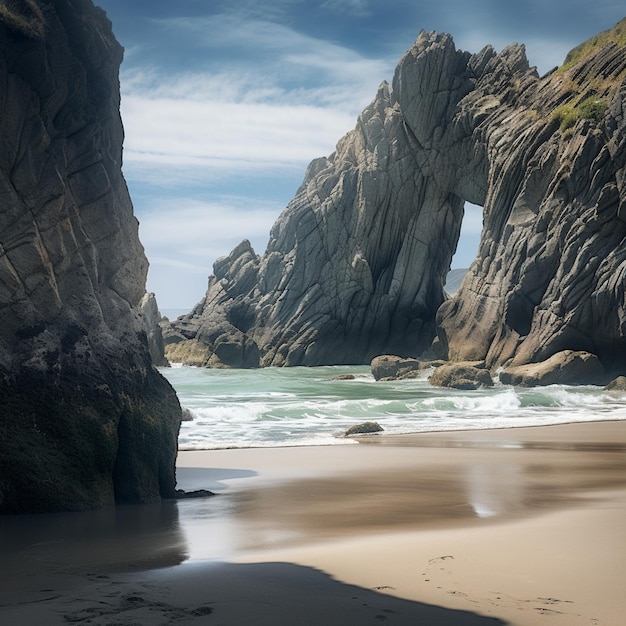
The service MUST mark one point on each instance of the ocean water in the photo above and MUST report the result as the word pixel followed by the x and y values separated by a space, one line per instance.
pixel 303 406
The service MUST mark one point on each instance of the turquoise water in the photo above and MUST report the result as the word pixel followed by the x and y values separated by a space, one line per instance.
pixel 303 406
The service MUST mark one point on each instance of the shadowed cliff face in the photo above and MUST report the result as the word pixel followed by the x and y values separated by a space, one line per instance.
pixel 356 263
pixel 85 419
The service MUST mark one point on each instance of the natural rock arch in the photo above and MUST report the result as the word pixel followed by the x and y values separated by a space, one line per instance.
pixel 356 263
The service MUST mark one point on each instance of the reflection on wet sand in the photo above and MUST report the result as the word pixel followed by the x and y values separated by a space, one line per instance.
pixel 492 493
pixel 124 564
pixel 115 538
pixel 385 484
pixel 492 478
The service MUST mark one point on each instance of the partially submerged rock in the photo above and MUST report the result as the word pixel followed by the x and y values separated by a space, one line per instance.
pixel 564 368
pixel 618 384
pixel 461 376
pixel 388 366
pixel 365 428
pixel 181 494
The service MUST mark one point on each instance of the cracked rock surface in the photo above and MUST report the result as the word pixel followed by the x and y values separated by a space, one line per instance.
pixel 85 419
pixel 356 263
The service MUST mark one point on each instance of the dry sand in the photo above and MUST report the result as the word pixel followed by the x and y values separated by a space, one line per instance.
pixel 519 526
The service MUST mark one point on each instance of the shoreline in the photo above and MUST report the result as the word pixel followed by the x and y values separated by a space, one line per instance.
pixel 383 436
pixel 471 527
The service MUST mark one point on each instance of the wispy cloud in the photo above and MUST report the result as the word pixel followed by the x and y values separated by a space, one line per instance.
pixel 232 116
pixel 356 8
pixel 184 236
pixel 232 135
pixel 194 232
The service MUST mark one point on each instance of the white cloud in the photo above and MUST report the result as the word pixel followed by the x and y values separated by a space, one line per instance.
pixel 184 236
pixel 170 262
pixel 239 32
pixel 196 232
pixel 231 135
pixel 472 219
pixel 285 105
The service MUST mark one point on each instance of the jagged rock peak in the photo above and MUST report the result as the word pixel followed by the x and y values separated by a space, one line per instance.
pixel 85 419
pixel 356 263
pixel 152 325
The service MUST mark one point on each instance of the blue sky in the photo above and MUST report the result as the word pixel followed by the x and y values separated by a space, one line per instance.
pixel 225 102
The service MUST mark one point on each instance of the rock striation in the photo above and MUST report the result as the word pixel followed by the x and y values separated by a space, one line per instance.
pixel 356 264
pixel 152 325
pixel 551 269
pixel 391 367
pixel 462 375
pixel 354 268
pixel 565 368
pixel 85 418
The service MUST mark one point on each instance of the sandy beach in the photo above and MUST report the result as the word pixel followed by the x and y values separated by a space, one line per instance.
pixel 514 526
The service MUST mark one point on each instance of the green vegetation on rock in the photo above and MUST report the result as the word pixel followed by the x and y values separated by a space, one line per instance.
pixel 617 35
pixel 24 16
pixel 589 109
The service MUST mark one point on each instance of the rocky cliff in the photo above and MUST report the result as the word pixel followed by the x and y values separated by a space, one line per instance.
pixel 85 419
pixel 355 265
pixel 550 272
pixel 152 325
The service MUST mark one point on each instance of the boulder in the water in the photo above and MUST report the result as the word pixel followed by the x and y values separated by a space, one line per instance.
pixel 618 384
pixel 366 428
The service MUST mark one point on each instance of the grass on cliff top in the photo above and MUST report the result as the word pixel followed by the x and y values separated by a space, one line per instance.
pixel 587 98
pixel 617 35
pixel 589 109
pixel 23 16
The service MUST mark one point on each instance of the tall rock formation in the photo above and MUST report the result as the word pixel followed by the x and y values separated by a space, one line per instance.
pixel 152 325
pixel 85 419
pixel 551 269
pixel 355 265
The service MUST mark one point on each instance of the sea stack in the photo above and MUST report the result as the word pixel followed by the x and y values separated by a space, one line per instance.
pixel 85 418
pixel 356 264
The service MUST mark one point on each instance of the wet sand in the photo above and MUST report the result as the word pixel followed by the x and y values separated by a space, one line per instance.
pixel 519 526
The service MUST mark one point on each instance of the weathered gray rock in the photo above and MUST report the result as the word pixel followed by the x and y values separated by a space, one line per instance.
pixel 85 419
pixel 390 366
pixel 215 334
pixel 349 272
pixel 356 263
pixel 564 368
pixel 618 384
pixel 461 376
pixel 151 323
pixel 187 415
pixel 366 428
pixel 551 269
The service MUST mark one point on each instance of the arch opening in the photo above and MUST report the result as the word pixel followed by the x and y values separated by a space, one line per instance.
pixel 466 247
